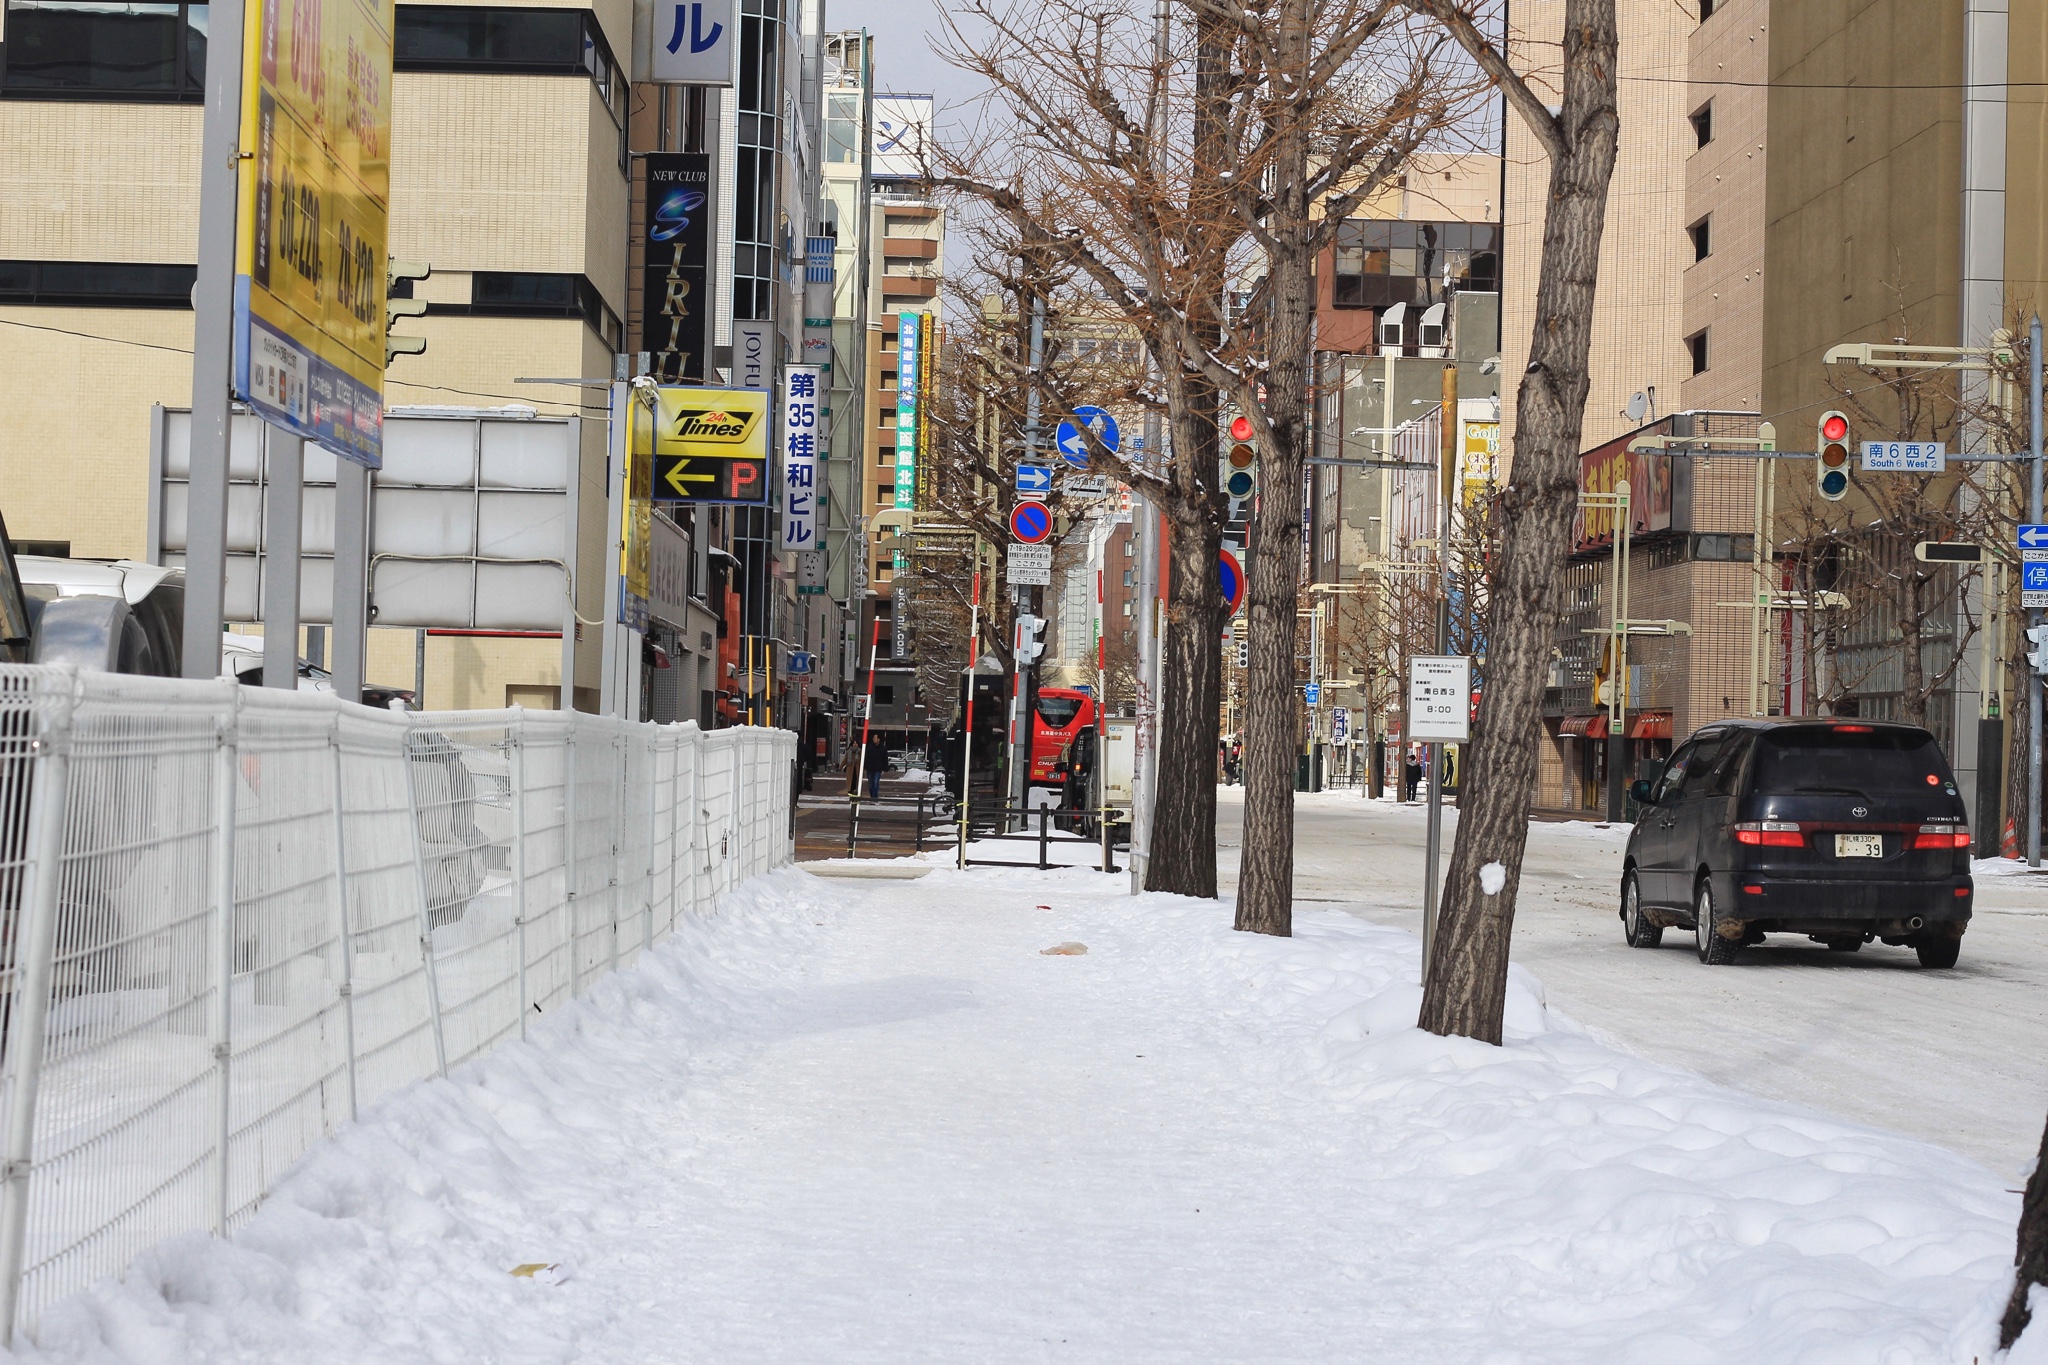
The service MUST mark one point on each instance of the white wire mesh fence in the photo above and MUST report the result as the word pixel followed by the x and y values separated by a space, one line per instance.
pixel 231 919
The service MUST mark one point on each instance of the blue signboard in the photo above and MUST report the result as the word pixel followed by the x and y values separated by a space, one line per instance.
pixel 2033 537
pixel 1073 443
pixel 1034 478
pixel 2034 578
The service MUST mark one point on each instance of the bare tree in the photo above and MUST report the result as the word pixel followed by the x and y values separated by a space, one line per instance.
pixel 1576 126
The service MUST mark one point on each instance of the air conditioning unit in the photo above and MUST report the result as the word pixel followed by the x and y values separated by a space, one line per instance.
pixel 1391 324
pixel 1434 338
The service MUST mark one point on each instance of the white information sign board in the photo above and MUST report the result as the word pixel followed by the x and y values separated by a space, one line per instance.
pixel 1440 697
pixel 1030 566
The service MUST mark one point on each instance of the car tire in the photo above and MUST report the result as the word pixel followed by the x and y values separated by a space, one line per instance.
pixel 1939 952
pixel 1639 932
pixel 1714 950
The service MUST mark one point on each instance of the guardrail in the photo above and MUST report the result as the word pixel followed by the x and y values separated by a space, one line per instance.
pixel 231 919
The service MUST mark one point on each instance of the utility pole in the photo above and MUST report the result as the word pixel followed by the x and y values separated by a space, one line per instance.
pixel 1024 690
pixel 2034 614
pixel 213 335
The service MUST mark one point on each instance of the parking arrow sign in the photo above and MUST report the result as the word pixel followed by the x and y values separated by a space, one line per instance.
pixel 2033 537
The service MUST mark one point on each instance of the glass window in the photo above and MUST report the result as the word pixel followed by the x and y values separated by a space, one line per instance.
pixel 123 51
pixel 1058 712
pixel 1857 760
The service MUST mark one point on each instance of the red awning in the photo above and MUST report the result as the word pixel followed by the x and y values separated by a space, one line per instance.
pixel 1574 727
pixel 1598 728
pixel 1650 725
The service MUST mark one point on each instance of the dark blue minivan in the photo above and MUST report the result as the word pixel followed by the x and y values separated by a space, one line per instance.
pixel 1842 830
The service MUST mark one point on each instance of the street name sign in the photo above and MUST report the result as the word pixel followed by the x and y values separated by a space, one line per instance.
pixel 1904 457
pixel 1093 486
pixel 1440 697
pixel 1030 566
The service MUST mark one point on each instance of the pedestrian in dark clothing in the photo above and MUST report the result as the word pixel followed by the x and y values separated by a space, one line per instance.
pixel 1411 775
pixel 875 762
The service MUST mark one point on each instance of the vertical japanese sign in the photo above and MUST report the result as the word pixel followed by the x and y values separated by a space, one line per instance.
pixel 311 229
pixel 673 301
pixel 802 433
pixel 908 345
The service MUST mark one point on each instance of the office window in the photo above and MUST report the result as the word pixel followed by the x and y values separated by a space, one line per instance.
pixel 1696 344
pixel 1703 123
pixel 519 42
pixel 1702 241
pixel 842 129
pixel 1379 263
pixel 1130 578
pixel 1706 10
pixel 84 49
pixel 97 284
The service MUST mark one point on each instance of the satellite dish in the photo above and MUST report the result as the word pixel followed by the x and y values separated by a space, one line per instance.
pixel 1637 406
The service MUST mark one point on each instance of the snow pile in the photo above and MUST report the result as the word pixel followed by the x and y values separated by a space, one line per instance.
pixel 884 1124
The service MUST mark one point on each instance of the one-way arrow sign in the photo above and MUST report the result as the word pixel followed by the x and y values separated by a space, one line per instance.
pixel 2033 537
pixel 1034 478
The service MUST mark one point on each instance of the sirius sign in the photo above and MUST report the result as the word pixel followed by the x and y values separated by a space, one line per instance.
pixel 673 295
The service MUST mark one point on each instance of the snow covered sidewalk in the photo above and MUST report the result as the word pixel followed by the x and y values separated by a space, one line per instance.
pixel 875 1122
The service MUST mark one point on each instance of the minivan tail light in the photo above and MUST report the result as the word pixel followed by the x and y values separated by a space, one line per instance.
pixel 1941 836
pixel 1770 834
pixel 1852 729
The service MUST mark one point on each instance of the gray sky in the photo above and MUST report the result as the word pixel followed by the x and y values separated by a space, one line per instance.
pixel 904 60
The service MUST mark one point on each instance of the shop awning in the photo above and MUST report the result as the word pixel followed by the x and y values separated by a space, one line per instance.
pixel 1598 728
pixel 1650 725
pixel 1574 727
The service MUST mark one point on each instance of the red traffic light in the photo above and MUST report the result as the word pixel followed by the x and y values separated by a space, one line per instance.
pixel 1835 428
pixel 1240 428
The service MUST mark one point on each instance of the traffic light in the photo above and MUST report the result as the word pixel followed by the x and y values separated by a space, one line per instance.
pixel 1237 478
pixel 2037 657
pixel 405 306
pixel 1029 644
pixel 1244 652
pixel 1831 469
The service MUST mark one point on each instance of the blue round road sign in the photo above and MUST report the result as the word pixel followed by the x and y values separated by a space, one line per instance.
pixel 1030 522
pixel 1073 445
pixel 1230 577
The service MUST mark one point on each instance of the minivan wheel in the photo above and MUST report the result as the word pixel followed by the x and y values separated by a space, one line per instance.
pixel 1939 952
pixel 1639 932
pixel 1715 950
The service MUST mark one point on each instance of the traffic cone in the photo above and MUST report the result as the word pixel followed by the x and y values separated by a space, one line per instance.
pixel 2009 842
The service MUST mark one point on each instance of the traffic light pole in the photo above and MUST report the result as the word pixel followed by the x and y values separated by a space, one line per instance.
pixel 2034 615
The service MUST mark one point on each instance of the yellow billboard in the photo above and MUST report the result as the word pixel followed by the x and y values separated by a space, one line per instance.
pixel 710 445
pixel 314 204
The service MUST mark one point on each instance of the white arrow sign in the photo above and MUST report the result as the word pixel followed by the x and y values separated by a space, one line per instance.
pixel 2033 536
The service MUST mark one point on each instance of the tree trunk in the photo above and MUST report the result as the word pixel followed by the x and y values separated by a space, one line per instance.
pixel 1466 991
pixel 2031 1254
pixel 1182 858
pixel 1265 885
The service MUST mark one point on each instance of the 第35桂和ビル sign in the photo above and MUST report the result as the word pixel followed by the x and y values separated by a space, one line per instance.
pixel 312 208
pixel 710 445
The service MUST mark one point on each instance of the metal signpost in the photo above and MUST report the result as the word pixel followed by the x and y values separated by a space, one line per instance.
pixel 1439 712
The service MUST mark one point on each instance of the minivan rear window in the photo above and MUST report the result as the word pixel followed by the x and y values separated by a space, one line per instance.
pixel 1844 759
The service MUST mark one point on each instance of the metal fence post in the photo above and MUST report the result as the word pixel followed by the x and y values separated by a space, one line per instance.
pixel 519 856
pixel 621 760
pixel 1041 838
pixel 419 867
pixel 569 869
pixel 35 958
pixel 345 928
pixel 653 817
pixel 227 781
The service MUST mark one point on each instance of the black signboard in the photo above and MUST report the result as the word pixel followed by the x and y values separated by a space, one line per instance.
pixel 710 478
pixel 674 305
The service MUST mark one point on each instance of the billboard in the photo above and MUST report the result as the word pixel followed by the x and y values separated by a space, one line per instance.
pixel 710 446
pixel 1601 470
pixel 674 302
pixel 803 431
pixel 902 136
pixel 690 42
pixel 909 332
pixel 312 213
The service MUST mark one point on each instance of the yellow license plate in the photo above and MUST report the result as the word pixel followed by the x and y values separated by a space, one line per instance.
pixel 1859 845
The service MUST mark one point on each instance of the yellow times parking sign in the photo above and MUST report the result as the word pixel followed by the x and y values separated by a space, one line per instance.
pixel 314 203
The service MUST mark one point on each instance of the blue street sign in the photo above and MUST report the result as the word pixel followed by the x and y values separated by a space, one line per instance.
pixel 1074 445
pixel 1034 478
pixel 2034 578
pixel 1315 693
pixel 799 662
pixel 2033 537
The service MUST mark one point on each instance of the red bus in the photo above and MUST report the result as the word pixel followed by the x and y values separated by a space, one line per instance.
pixel 1063 713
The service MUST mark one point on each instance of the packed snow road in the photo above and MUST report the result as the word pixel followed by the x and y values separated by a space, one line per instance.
pixel 879 1122
pixel 1958 1057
